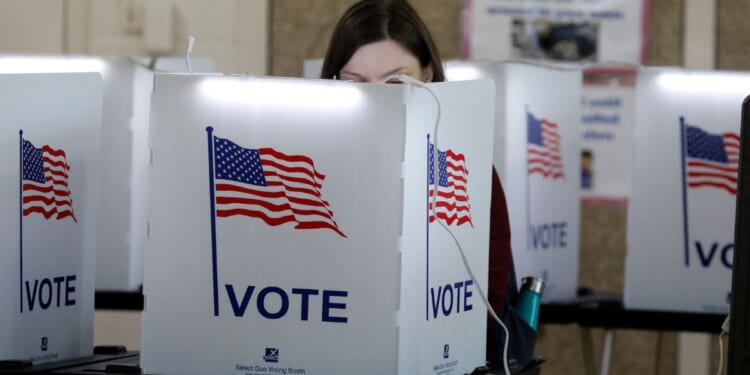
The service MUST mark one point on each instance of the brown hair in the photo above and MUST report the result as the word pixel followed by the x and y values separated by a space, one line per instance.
pixel 371 21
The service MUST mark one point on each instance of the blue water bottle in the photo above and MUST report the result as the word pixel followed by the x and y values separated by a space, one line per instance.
pixel 529 300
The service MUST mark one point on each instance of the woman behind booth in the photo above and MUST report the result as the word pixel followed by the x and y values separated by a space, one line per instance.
pixel 375 39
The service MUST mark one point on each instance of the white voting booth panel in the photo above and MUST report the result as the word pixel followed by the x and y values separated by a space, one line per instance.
pixel 289 227
pixel 50 64
pixel 542 113
pixel 49 137
pixel 312 68
pixel 536 153
pixel 179 65
pixel 122 206
pixel 681 212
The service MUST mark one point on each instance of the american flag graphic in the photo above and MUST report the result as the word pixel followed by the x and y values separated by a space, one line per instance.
pixel 45 182
pixel 712 159
pixel 270 185
pixel 452 202
pixel 544 155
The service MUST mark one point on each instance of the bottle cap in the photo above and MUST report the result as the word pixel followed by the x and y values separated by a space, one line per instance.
pixel 534 284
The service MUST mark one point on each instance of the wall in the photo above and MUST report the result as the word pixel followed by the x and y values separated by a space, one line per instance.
pixel 733 35
pixel 233 32
pixel 31 26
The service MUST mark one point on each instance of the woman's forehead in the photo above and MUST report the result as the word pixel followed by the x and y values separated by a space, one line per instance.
pixel 380 58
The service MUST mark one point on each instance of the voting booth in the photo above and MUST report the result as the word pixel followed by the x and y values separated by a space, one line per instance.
pixel 127 86
pixel 121 209
pixel 123 198
pixel 49 133
pixel 682 209
pixel 536 153
pixel 290 228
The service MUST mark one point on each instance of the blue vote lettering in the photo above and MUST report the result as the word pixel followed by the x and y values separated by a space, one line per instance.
pixel 549 235
pixel 47 292
pixel 450 295
pixel 706 256
pixel 331 300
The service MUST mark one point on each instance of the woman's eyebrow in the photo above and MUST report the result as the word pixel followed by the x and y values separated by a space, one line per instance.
pixel 394 71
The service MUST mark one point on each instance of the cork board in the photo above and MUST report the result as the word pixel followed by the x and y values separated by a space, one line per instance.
pixel 732 35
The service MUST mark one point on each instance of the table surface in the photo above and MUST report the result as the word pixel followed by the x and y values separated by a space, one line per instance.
pixel 65 366
pixel 606 310
pixel 129 363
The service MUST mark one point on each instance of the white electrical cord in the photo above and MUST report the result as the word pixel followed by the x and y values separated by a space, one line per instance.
pixel 724 331
pixel 407 79
pixel 721 352
pixel 188 51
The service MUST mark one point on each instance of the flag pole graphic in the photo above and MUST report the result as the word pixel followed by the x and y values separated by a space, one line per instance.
pixel 209 133
pixel 20 217
pixel 529 231
pixel 427 222
pixel 683 150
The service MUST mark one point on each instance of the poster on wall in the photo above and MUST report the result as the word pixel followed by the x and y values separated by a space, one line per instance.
pixel 569 31
pixel 681 211
pixel 49 137
pixel 607 134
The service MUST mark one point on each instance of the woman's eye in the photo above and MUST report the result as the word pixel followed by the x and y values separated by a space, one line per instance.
pixel 350 78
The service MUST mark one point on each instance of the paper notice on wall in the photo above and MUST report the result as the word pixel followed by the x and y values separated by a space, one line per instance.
pixel 556 30
pixel 607 134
